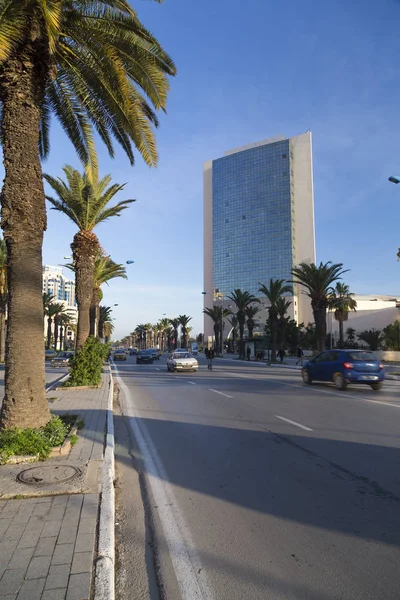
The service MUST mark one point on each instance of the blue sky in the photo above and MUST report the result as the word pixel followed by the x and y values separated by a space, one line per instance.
pixel 246 72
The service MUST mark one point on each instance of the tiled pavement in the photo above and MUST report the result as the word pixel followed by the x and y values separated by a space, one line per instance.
pixel 47 547
pixel 47 543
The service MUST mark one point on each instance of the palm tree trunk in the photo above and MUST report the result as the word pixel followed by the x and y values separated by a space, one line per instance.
pixel 84 251
pixel 61 337
pixel 320 327
pixel 241 344
pixel 94 314
pixel 48 332
pixel 56 330
pixel 274 334
pixel 22 83
pixel 2 335
pixel 341 344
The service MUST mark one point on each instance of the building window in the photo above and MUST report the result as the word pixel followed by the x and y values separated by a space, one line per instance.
pixel 226 220
pixel 283 155
pixel 243 217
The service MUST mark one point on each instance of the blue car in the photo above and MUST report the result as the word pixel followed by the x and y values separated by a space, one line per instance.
pixel 343 367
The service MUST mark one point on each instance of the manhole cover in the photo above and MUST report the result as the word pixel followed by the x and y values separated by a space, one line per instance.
pixel 48 474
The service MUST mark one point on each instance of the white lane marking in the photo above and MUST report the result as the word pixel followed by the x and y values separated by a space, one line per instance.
pixel 189 571
pixel 294 423
pixel 192 383
pixel 314 389
pixel 385 403
pixel 157 369
pixel 222 393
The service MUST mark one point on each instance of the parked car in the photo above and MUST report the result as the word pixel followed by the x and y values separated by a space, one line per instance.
pixel 144 356
pixel 156 353
pixel 50 354
pixel 120 355
pixel 62 359
pixel 182 361
pixel 345 366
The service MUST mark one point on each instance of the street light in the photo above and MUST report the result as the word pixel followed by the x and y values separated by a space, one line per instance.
pixel 130 262
pixel 394 179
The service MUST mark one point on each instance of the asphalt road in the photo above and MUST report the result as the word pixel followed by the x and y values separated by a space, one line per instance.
pixel 260 487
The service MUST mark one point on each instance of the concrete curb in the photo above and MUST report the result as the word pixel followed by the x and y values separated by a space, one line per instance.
pixel 104 587
pixel 56 382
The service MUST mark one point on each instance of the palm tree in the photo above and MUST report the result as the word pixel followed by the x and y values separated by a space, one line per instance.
pixel 318 282
pixel 242 300
pixel 84 201
pixel 47 300
pixel 108 328
pixel 342 302
pixel 104 317
pixel 168 334
pixel 282 307
pixel 141 332
pixel 60 312
pixel 105 269
pixel 51 311
pixel 164 324
pixel 217 314
pixel 175 325
pixel 91 63
pixel 148 334
pixel 3 296
pixel 251 312
pixel 234 324
pixel 276 289
pixel 183 322
pixel 351 335
pixel 64 321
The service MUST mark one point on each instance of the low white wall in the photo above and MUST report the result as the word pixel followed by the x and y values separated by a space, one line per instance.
pixel 388 355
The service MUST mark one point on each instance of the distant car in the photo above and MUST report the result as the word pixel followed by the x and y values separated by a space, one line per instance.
pixel 50 354
pixel 62 359
pixel 120 355
pixel 182 361
pixel 343 367
pixel 144 356
pixel 156 353
pixel 133 351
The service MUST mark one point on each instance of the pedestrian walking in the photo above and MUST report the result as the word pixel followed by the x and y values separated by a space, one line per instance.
pixel 262 355
pixel 281 354
pixel 248 352
pixel 210 359
pixel 206 352
pixel 300 356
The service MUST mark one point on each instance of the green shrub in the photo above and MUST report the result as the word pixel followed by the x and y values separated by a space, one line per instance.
pixel 21 442
pixel 86 364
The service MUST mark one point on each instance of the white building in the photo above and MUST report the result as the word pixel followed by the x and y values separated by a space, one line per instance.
pixel 373 312
pixel 258 220
pixel 63 291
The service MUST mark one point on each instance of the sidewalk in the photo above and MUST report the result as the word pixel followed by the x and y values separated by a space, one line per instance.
pixel 48 525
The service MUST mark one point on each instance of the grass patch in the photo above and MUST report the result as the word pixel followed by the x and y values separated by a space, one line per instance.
pixel 32 442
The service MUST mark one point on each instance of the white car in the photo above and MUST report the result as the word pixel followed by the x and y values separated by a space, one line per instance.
pixel 182 361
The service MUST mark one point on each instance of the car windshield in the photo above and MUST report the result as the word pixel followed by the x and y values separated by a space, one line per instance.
pixel 182 355
pixel 363 355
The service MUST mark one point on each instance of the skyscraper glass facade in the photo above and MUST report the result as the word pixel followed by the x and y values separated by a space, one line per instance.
pixel 252 214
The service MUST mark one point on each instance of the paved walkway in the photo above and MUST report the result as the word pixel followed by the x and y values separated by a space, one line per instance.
pixel 48 542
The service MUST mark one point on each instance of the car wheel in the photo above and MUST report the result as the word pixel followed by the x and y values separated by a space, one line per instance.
pixel 306 377
pixel 339 381
pixel 376 386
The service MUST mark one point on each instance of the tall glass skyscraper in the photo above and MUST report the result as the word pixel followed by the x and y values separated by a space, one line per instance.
pixel 258 218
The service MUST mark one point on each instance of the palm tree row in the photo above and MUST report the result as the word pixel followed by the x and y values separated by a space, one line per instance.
pixel 164 334
pixel 317 283
pixel 96 68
